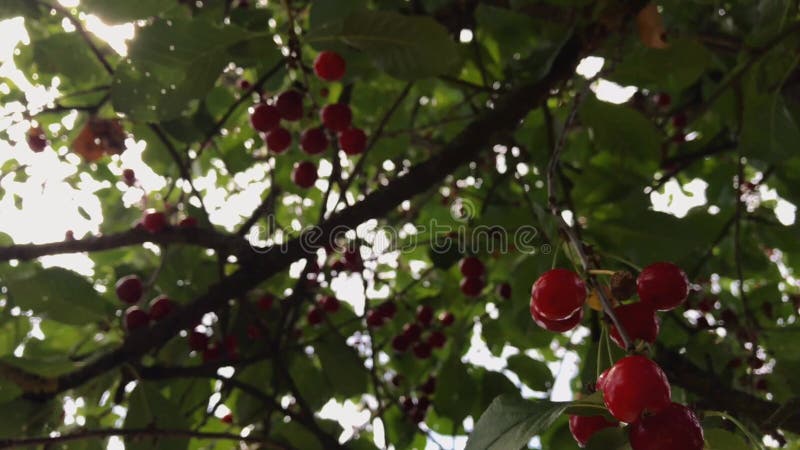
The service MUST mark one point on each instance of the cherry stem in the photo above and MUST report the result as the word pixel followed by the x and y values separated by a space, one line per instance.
pixel 569 231
pixel 601 272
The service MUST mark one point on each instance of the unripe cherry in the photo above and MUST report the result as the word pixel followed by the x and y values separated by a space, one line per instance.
pixel 663 285
pixel 557 294
pixel 633 386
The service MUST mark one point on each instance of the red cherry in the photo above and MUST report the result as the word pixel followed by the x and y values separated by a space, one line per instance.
pixel 558 293
pixel 265 117
pixel 212 352
pixel 314 316
pixel 406 403
pixel 412 331
pixel 278 140
pixel 584 427
pixel 265 302
pixel 329 66
pixel 232 346
pixel 424 314
pixel 188 223
pixel 446 318
pixel 388 309
pixel 429 386
pixel 160 307
pixel 663 285
pixel 400 343
pixel 663 99
pixel 423 403
pixel 338 266
pixel 504 291
pixel 418 415
pixel 36 140
pixel 135 317
pixel 244 84
pixel 198 341
pixel 472 287
pixel 227 418
pixel 336 117
pixel 633 386
pixel 129 289
pixel 680 120
pixel 154 221
pixel 422 350
pixel 557 326
pixel 674 427
pixel 437 339
pixel 472 267
pixel 679 138
pixel 639 320
pixel 374 319
pixel 129 177
pixel 290 105
pixel 304 174
pixel 330 304
pixel 352 257
pixel 353 141
pixel 313 141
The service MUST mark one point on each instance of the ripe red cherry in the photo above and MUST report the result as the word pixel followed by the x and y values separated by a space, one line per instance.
pixel 412 331
pixel 129 289
pixel 504 291
pixel 472 287
pixel 446 318
pixel 472 267
pixel 313 141
pixel 160 307
pixel 129 177
pixel 135 317
pixel 422 350
pixel 212 352
pixel 400 343
pixel 675 427
pixel 374 319
pixel 387 309
pixel 305 174
pixel 265 302
pixel 330 304
pixel 679 120
pixel 265 117
pixel 353 141
pixel 336 117
pixel 278 140
pixel 429 386
pixel 290 105
pixel 244 84
pixel 633 386
pixel 557 326
pixel 154 221
pixel 329 66
pixel 584 427
pixel 639 320
pixel 198 341
pixel 314 316
pixel 558 293
pixel 227 418
pixel 663 285
pixel 663 99
pixel 437 339
pixel 424 314
pixel 188 222
pixel 232 346
pixel 36 140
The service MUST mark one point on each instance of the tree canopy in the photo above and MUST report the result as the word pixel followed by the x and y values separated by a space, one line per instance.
pixel 317 224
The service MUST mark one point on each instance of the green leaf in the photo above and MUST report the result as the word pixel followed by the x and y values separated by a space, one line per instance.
pixel 510 422
pixel 719 439
pixel 535 374
pixel 405 47
pixel 620 130
pixel 769 131
pixel 171 63
pixel 15 8
pixel 342 366
pixel 64 55
pixel 674 68
pixel 148 408
pixel 298 436
pixel 60 295
pixel 454 400
pixel 116 11
pixel 609 439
